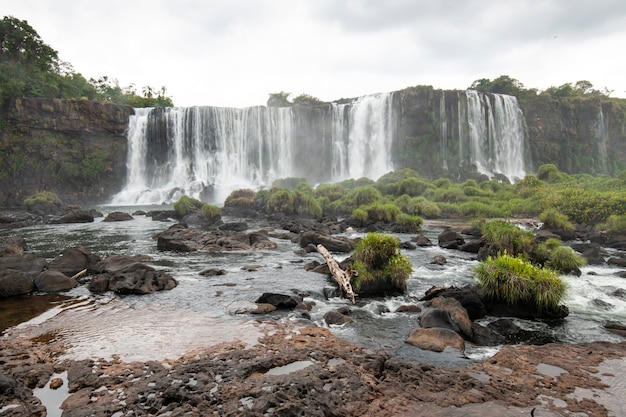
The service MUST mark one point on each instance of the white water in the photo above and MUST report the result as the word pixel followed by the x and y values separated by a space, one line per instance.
pixel 496 134
pixel 217 150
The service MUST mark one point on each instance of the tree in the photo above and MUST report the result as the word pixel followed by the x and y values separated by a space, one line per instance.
pixel 20 43
pixel 501 85
pixel 280 99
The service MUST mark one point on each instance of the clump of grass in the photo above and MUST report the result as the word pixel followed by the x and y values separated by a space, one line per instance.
pixel 211 212
pixel 614 225
pixel 42 197
pixel 554 219
pixel 565 260
pixel 514 281
pixel 186 205
pixel 506 237
pixel 240 198
pixel 377 257
pixel 411 223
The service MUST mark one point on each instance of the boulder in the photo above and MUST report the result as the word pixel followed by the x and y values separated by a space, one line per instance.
pixel 457 312
pixel 332 243
pixel 439 260
pixel 14 283
pixel 115 263
pixel 211 272
pixel 118 216
pixel 336 318
pixel 73 214
pixel 436 339
pixel 438 318
pixel 409 308
pixel 24 262
pixel 75 259
pixel 471 247
pixel 422 241
pixel 234 226
pixel 125 274
pixel 280 301
pixel 54 281
pixel 263 308
pixel 449 239
pixel 614 260
pixel 593 252
pixel 468 296
pixel 486 336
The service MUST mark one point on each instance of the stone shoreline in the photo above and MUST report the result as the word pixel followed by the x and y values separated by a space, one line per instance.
pixel 325 376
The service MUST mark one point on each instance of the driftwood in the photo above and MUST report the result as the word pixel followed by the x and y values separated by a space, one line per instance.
pixel 342 277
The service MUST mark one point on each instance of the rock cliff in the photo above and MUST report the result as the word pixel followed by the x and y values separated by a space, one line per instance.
pixel 76 148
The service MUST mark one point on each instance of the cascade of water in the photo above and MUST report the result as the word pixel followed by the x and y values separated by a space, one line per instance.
pixel 496 134
pixel 602 137
pixel 200 150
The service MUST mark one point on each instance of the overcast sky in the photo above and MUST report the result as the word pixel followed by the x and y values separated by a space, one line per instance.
pixel 236 52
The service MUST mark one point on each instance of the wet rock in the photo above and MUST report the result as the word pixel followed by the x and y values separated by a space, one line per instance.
pixel 435 339
pixel 118 216
pixel 408 245
pixel 280 301
pixel 332 243
pixel 183 239
pixel 410 308
pixel 615 327
pixel 602 305
pixel 621 274
pixel 74 260
pixel 336 318
pixel 457 312
pixel 17 220
pixel 251 268
pixel 211 272
pixel 485 336
pixel 593 252
pixel 423 241
pixel 449 239
pixel 468 296
pixel 439 260
pixel 614 260
pixel 14 283
pixel 73 214
pixel 438 318
pixel 263 308
pixel 24 262
pixel 563 235
pixel 12 245
pixel 619 293
pixel 124 274
pixel 139 213
pixel 234 226
pixel 471 247
pixel 56 383
pixel 54 281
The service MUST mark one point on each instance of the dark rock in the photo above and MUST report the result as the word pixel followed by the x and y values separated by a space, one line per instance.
pixel 543 235
pixel 162 216
pixel 116 263
pixel 619 293
pixel 73 214
pixel 46 208
pixel 139 213
pixel 524 311
pixel 54 281
pixel 24 262
pixel 564 235
pixel 128 275
pixel 74 260
pixel 439 260
pixel 263 308
pixel 118 216
pixel 251 268
pixel 99 283
pixel 438 318
pixel 485 336
pixel 336 318
pixel 14 283
pixel 601 304
pixel 408 245
pixel 211 272
pixel 457 312
pixel 468 296
pixel 280 301
pixel 621 274
pixel 621 262
pixel 423 241
pixel 311 265
pixel 331 292
pixel 593 252
pixel 616 328
pixel 332 243
pixel 410 308
pixel 436 339
pixel 95 213
pixel 449 239
pixel 17 220
pixel 234 226
pixel 616 242
pixel 471 247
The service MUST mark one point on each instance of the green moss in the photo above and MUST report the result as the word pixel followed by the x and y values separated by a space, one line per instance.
pixel 186 205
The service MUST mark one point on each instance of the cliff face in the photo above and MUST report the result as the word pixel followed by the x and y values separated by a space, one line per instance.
pixel 75 148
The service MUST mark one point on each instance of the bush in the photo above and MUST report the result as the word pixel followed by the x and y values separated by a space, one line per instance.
pixel 563 259
pixel 280 201
pixel 508 238
pixel 360 216
pixel 422 207
pixel 614 225
pixel 377 212
pixel 377 258
pixel 529 186
pixel 186 205
pixel 42 197
pixel 240 198
pixel 478 209
pixel 547 172
pixel 553 219
pixel 211 213
pixel 413 186
pixel 306 204
pixel 289 183
pixel 411 223
pixel 514 281
pixel 332 191
pixel 364 195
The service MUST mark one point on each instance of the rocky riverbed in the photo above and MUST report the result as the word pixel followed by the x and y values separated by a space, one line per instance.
pixel 304 370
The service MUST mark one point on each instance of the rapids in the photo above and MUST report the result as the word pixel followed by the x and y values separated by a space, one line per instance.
pixel 204 311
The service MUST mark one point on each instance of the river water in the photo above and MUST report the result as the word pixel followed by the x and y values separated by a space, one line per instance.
pixel 203 311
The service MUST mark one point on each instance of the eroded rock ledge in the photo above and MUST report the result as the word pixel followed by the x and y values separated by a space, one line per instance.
pixel 326 376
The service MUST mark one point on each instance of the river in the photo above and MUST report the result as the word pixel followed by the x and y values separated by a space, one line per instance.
pixel 204 311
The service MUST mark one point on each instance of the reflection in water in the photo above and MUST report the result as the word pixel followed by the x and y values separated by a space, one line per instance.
pixel 16 310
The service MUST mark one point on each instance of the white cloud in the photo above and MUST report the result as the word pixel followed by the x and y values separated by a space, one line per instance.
pixel 235 53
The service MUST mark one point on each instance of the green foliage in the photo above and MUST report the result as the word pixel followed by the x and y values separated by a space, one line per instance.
pixel 361 196
pixel 547 172
pixel 280 99
pixel 281 201
pixel 289 183
pixel 186 205
pixel 413 186
pixel 332 191
pixel 563 259
pixel 587 206
pixel 211 212
pixel 501 85
pixel 410 222
pixel 553 219
pixel 506 237
pixel 614 225
pixel 378 212
pixel 307 100
pixel 528 186
pixel 377 257
pixel 42 197
pixel 480 210
pixel 513 280
pixel 360 215
pixel 422 207
pixel 306 204
pixel 240 198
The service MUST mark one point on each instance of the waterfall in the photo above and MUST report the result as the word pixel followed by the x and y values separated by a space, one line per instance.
pixel 494 133
pixel 602 137
pixel 206 152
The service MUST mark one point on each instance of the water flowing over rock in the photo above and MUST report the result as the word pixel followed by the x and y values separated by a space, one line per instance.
pixel 206 152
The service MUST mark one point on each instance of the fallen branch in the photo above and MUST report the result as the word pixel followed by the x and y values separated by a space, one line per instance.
pixel 342 277
pixel 80 274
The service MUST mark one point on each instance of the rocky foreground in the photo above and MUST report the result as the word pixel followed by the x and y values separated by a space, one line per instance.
pixel 307 371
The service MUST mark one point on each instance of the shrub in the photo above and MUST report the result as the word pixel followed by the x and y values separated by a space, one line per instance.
pixel 364 195
pixel 211 213
pixel 332 191
pixel 547 172
pixel 289 183
pixel 513 281
pixel 585 206
pixel 528 186
pixel 412 186
pixel 186 205
pixel 377 258
pixel 442 183
pixel 377 212
pixel 410 222
pixel 563 259
pixel 306 204
pixel 614 225
pixel 521 206
pixel 240 198
pixel 422 207
pixel 508 238
pixel 42 197
pixel 478 209
pixel 280 201
pixel 553 219
pixel 360 215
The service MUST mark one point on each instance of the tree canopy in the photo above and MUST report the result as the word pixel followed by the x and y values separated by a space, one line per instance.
pixel 31 68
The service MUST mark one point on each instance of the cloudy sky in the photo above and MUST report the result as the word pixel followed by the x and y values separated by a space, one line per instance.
pixel 236 52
